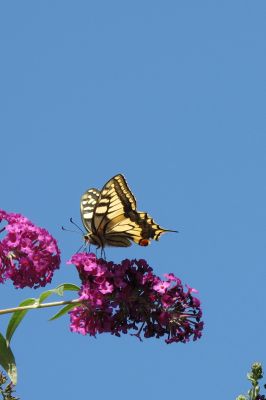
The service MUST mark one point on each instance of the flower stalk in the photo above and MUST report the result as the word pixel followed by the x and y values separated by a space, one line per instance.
pixel 37 305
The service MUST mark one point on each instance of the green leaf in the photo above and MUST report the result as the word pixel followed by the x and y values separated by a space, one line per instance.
pixel 59 290
pixel 63 311
pixel 16 319
pixel 69 286
pixel 48 293
pixel 7 360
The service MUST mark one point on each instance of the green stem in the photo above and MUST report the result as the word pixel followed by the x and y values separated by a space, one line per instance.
pixel 44 305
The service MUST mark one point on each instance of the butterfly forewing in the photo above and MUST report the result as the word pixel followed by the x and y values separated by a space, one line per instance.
pixel 115 202
pixel 87 206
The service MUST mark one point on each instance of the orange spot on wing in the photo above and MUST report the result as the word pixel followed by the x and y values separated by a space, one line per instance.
pixel 144 242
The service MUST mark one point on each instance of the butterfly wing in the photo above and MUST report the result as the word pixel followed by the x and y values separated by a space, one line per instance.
pixel 138 227
pixel 114 202
pixel 87 206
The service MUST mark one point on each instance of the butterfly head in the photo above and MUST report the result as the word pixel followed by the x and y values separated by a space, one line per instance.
pixel 93 239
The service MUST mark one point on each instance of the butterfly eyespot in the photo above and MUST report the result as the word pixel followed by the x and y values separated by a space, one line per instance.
pixel 144 242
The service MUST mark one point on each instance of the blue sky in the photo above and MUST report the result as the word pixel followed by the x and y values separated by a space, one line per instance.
pixel 172 95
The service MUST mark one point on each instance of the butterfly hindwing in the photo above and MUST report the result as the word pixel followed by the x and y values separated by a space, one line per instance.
pixel 149 228
pixel 137 227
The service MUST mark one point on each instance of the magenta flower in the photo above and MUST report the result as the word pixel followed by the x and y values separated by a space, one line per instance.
pixel 5 263
pixel 162 286
pixel 28 254
pixel 119 298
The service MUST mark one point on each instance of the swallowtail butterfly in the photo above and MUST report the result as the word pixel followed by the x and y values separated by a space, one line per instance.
pixel 110 217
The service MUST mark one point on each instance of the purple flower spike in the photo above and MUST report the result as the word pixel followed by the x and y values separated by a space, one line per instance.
pixel 28 254
pixel 118 298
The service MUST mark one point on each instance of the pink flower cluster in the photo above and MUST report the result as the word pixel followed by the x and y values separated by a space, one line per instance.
pixel 117 298
pixel 28 254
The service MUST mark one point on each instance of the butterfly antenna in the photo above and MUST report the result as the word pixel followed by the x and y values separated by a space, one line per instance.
pixel 68 230
pixel 76 225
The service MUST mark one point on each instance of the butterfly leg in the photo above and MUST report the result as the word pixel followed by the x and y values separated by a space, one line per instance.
pixel 103 255
pixel 81 247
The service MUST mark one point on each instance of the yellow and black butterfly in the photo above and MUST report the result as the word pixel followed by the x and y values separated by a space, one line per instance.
pixel 111 218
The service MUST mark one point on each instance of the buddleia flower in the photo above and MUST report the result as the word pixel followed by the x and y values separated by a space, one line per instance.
pixel 29 255
pixel 129 298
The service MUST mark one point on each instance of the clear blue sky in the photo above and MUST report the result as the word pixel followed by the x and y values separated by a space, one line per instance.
pixel 172 95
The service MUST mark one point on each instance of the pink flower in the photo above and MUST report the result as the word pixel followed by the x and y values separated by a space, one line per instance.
pixel 192 290
pixel 161 287
pixel 106 287
pixel 171 278
pixel 28 254
pixel 126 297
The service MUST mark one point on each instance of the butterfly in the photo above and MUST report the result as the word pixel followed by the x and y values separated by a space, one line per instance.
pixel 110 217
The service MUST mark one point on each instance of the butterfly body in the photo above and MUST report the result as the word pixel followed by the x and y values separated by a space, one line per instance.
pixel 110 217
